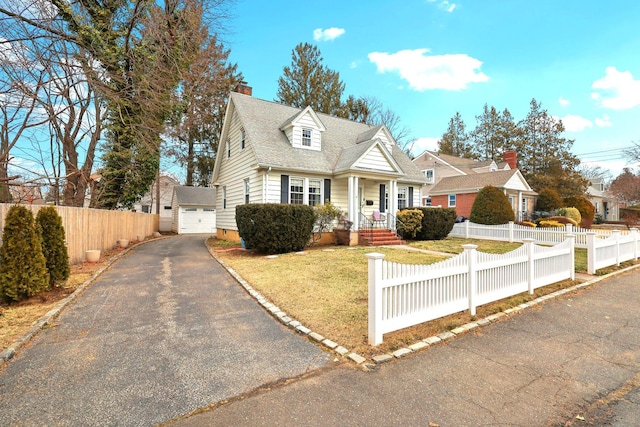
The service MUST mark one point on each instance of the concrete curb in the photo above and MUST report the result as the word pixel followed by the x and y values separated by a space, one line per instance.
pixel 413 348
pixel 8 353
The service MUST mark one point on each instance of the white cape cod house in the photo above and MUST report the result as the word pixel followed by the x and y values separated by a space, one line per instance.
pixel 272 153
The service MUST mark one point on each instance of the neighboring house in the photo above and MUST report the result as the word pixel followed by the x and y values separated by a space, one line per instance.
pixel 273 153
pixel 454 182
pixel 194 210
pixel 149 202
pixel 606 205
pixel 436 166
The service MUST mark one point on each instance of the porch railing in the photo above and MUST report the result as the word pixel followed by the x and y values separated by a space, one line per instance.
pixel 387 221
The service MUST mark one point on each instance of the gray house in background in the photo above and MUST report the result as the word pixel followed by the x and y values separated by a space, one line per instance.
pixel 194 210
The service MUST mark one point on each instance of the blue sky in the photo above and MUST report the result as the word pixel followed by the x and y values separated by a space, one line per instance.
pixel 428 59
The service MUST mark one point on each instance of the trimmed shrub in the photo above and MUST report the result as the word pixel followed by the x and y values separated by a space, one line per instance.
pixel 491 207
pixel 548 200
pixel 54 248
pixel 411 222
pixel 585 207
pixel 571 213
pixel 23 268
pixel 275 228
pixel 326 216
pixel 437 223
pixel 547 223
pixel 527 224
pixel 558 219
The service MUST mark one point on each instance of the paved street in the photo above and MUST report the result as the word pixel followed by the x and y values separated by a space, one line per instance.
pixel 542 367
pixel 163 332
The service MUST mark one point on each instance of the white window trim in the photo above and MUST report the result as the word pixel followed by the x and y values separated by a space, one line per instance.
pixel 455 200
pixel 224 197
pixel 403 191
pixel 305 187
pixel 247 190
pixel 310 138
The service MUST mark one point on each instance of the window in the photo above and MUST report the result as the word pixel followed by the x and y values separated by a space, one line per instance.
pixel 243 138
pixel 427 201
pixel 224 197
pixel 306 137
pixel 296 191
pixel 402 197
pixel 146 208
pixel 190 210
pixel 228 148
pixel 209 210
pixel 167 208
pixel 246 191
pixel 524 204
pixel 429 173
pixel 452 200
pixel 315 196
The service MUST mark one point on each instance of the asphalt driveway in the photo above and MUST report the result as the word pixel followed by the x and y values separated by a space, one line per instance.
pixel 163 332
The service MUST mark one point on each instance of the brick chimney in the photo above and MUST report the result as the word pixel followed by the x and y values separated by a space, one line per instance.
pixel 511 158
pixel 243 88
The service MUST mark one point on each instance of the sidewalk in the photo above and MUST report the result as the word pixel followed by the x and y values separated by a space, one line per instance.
pixel 541 367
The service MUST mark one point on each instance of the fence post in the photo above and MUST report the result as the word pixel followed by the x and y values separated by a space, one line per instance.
pixel 472 256
pixel 510 231
pixel 466 229
pixel 528 242
pixel 616 234
pixel 375 297
pixel 572 257
pixel 634 235
pixel 591 252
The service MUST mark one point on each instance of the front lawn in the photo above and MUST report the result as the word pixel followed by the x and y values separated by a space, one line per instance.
pixel 326 289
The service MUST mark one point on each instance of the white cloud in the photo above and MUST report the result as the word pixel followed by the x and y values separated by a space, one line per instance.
pixel 563 102
pixel 329 34
pixel 425 143
pixel 425 72
pixel 444 5
pixel 603 122
pixel 574 123
pixel 621 91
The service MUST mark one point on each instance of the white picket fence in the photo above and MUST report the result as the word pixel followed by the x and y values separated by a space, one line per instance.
pixel 605 251
pixel 512 232
pixel 403 295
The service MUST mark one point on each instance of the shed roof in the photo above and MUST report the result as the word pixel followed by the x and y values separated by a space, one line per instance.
pixel 194 196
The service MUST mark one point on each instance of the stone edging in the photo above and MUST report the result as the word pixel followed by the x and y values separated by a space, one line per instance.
pixel 420 345
pixel 8 353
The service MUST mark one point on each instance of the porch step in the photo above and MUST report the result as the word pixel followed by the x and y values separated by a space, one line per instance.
pixel 379 237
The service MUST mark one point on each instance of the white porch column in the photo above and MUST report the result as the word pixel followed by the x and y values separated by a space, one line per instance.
pixel 352 204
pixel 520 216
pixel 393 201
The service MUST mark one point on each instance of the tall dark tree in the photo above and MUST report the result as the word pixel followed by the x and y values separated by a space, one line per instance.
pixel 455 141
pixel 544 155
pixel 201 102
pixel 308 82
pixel 485 138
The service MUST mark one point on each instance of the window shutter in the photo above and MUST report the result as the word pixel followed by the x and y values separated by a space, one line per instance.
pixel 327 190
pixel 410 201
pixel 383 193
pixel 284 188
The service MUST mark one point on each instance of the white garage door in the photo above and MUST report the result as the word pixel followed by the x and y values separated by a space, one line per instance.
pixel 197 220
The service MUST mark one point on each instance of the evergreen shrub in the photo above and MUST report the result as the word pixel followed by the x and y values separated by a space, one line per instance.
pixel 585 207
pixel 54 248
pixel 272 228
pixel 548 200
pixel 491 207
pixel 437 223
pixel 23 268
pixel 571 213
pixel 410 222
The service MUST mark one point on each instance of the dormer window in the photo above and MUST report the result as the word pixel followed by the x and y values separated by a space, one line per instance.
pixel 306 137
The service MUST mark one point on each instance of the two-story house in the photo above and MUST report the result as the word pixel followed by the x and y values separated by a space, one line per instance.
pixel 454 182
pixel 273 153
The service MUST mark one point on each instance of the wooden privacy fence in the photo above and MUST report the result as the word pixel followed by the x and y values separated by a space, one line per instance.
pixel 612 250
pixel 402 295
pixel 512 232
pixel 88 229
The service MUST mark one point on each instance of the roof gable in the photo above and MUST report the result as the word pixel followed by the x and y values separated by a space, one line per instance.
pixel 370 156
pixel 300 117
pixel 507 179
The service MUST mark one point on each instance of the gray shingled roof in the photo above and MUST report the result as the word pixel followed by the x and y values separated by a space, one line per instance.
pixel 472 183
pixel 194 196
pixel 262 121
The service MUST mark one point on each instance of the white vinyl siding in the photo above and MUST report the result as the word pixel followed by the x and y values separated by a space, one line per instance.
pixel 234 172
pixel 375 160
pixel 305 122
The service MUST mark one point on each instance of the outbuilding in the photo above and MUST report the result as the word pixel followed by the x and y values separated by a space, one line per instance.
pixel 194 210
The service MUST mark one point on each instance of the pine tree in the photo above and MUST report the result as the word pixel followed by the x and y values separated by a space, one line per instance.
pixel 455 140
pixel 307 82
pixel 53 244
pixel 23 269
